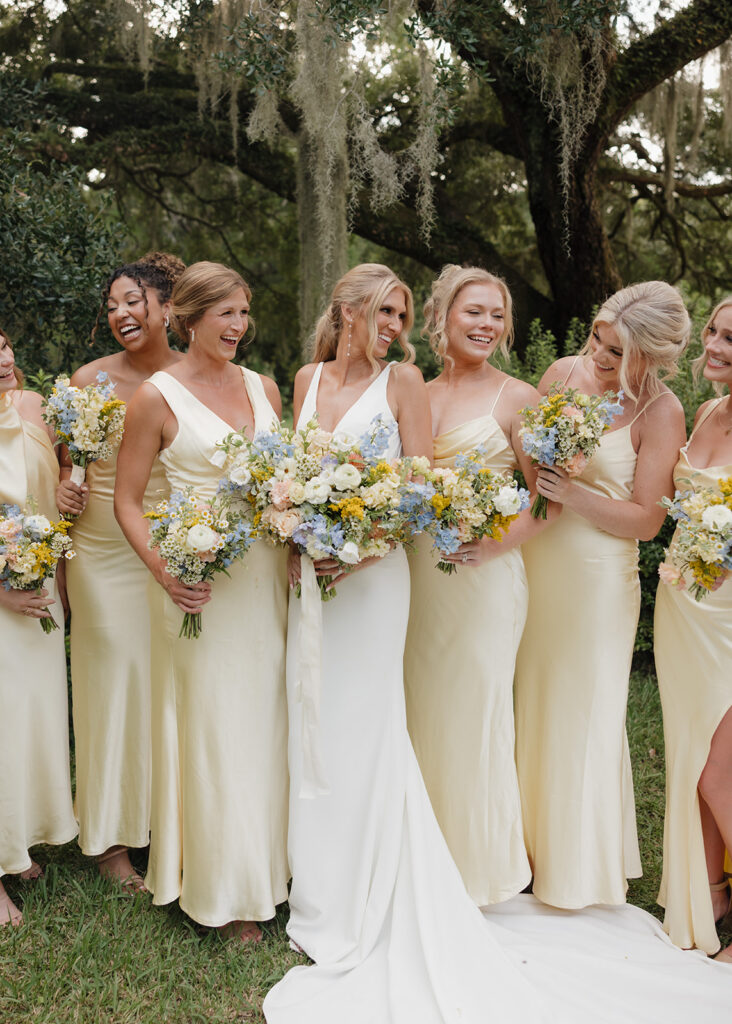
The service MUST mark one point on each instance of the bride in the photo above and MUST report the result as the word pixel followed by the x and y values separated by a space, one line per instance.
pixel 376 900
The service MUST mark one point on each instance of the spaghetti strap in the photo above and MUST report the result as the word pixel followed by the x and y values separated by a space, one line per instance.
pixel 571 371
pixel 500 392
pixel 649 402
pixel 708 412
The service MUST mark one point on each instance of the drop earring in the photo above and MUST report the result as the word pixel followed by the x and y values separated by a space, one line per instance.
pixel 350 331
pixel 193 335
pixel 166 321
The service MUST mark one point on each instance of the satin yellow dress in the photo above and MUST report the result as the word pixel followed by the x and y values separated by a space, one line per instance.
pixel 572 676
pixel 693 649
pixel 35 782
pixel 464 631
pixel 110 670
pixel 219 712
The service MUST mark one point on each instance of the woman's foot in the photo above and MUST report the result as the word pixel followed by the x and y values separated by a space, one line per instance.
pixel 244 931
pixel 724 956
pixel 721 899
pixel 32 873
pixel 9 913
pixel 116 864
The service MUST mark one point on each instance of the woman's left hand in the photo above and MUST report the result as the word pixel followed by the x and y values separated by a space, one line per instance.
pixel 554 483
pixel 474 552
pixel 337 570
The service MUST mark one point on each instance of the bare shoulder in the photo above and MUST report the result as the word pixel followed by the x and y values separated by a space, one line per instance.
pixel 520 393
pixel 703 409
pixel 147 402
pixel 666 409
pixel 558 371
pixel 406 375
pixel 29 404
pixel 87 374
pixel 305 374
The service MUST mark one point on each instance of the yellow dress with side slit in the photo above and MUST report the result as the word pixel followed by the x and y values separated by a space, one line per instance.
pixel 35 783
pixel 693 650
pixel 219 713
pixel 464 631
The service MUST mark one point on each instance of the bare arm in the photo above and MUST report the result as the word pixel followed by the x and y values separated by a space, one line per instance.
pixel 412 410
pixel 273 395
pixel 145 424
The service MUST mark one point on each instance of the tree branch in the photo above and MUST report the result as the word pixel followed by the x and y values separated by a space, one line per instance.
pixel 611 172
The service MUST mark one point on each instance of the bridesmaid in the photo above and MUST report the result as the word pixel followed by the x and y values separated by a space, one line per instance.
pixel 459 701
pixel 574 660
pixel 35 783
pixel 693 646
pixel 110 666
pixel 219 810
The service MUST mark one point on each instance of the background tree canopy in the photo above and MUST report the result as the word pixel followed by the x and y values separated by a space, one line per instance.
pixel 569 145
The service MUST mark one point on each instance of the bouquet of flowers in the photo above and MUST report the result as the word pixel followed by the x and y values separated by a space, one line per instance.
pixel 465 503
pixel 30 547
pixel 331 497
pixel 564 430
pixel 197 538
pixel 89 421
pixel 702 544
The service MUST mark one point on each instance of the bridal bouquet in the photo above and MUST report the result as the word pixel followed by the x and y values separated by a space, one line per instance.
pixel 465 503
pixel 332 497
pixel 30 547
pixel 197 538
pixel 564 430
pixel 702 544
pixel 89 421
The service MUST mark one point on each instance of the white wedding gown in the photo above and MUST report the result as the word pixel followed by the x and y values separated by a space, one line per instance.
pixel 376 900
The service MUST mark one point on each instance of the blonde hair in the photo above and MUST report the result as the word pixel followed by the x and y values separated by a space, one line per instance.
pixel 19 375
pixel 364 288
pixel 445 289
pixel 198 288
pixel 652 323
pixel 701 361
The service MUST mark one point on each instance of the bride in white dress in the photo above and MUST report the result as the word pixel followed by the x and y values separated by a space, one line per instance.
pixel 376 900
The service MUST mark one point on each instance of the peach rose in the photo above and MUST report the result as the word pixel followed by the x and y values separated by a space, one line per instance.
pixel 576 464
pixel 280 493
pixel 670 575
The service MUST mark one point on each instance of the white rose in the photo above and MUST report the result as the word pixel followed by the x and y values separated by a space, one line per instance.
pixel 201 538
pixel 349 553
pixel 717 517
pixel 38 525
pixel 240 475
pixel 346 477
pixel 297 493
pixel 317 491
pixel 507 501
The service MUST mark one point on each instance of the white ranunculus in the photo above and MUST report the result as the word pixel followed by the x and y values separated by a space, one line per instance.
pixel 349 553
pixel 240 475
pixel 38 525
pixel 201 538
pixel 717 517
pixel 346 477
pixel 508 501
pixel 297 493
pixel 317 491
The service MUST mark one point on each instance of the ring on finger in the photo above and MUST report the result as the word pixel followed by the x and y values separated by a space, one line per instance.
pixel 464 559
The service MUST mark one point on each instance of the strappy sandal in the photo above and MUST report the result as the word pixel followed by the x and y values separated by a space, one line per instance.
pixel 134 884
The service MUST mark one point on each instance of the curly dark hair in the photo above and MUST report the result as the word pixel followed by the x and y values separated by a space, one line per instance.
pixel 157 270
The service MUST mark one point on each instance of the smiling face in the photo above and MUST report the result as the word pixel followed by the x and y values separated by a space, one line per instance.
pixel 218 332
pixel 718 347
pixel 606 353
pixel 132 320
pixel 8 380
pixel 476 322
pixel 389 322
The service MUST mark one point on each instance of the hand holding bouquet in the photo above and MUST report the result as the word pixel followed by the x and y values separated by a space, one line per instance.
pixel 333 498
pixel 702 544
pixel 30 547
pixel 197 538
pixel 89 421
pixel 564 430
pixel 466 503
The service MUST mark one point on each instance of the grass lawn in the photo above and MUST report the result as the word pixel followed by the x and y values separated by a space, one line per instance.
pixel 89 954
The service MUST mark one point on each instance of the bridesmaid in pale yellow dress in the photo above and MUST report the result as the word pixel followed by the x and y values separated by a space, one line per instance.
pixel 219 805
pixel 35 783
pixel 464 629
pixel 693 647
pixel 574 661
pixel 110 615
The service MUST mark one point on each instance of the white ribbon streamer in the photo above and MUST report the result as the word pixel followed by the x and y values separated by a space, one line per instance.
pixel 309 640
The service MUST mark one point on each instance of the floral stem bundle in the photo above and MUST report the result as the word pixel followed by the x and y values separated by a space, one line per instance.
pixel 197 538
pixel 702 544
pixel 564 430
pixel 89 421
pixel 465 503
pixel 331 497
pixel 30 548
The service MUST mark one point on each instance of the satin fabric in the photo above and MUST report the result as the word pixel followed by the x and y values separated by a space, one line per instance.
pixel 378 902
pixel 219 798
pixel 572 675
pixel 35 783
pixel 693 650
pixel 110 670
pixel 464 632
